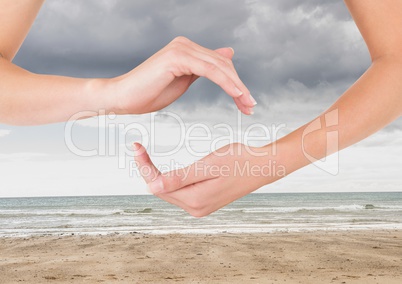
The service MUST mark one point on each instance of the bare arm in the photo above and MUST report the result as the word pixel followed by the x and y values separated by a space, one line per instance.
pixel 375 100
pixel 30 99
pixel 16 18
pixel 370 104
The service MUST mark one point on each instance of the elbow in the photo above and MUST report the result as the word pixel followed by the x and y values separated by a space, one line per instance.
pixel 394 57
pixel 3 56
pixel 390 64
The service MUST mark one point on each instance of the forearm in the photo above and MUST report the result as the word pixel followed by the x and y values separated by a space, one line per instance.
pixel 32 99
pixel 373 102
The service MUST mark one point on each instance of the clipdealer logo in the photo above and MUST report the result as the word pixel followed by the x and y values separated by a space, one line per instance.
pixel 330 162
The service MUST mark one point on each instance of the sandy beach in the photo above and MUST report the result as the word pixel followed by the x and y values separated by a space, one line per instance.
pixel 310 257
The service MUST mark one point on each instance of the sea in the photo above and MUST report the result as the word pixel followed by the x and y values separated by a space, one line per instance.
pixel 255 213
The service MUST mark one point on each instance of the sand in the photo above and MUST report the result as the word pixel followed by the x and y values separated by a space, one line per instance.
pixel 315 257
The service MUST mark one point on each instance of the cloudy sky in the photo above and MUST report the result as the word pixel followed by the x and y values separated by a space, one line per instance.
pixel 296 56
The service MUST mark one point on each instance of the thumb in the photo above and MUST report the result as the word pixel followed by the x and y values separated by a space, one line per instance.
pixel 228 52
pixel 180 178
pixel 147 169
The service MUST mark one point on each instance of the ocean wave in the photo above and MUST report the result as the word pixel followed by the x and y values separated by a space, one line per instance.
pixel 145 211
pixel 160 211
pixel 370 221
pixel 149 215
pixel 316 209
pixel 73 213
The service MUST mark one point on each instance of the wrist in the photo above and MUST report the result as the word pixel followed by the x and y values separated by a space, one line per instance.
pixel 105 95
pixel 99 97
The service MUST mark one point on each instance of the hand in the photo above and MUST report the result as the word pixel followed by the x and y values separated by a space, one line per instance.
pixel 166 75
pixel 213 182
pixel 33 99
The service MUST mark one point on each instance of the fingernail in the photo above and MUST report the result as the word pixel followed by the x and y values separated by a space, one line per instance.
pixel 232 50
pixel 253 100
pixel 238 92
pixel 156 186
pixel 251 111
pixel 136 148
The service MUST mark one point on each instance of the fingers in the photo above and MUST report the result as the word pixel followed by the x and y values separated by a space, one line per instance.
pixel 188 58
pixel 177 179
pixel 200 199
pixel 184 198
pixel 159 183
pixel 227 52
pixel 190 62
pixel 244 109
pixel 244 103
pixel 205 69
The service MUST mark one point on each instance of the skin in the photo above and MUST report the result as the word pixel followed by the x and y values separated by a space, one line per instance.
pixel 371 103
pixel 30 99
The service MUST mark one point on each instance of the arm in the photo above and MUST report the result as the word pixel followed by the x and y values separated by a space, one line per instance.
pixel 13 30
pixel 370 104
pixel 30 99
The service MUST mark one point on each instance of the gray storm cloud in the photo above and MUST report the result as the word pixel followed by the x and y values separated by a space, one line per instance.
pixel 296 56
pixel 276 41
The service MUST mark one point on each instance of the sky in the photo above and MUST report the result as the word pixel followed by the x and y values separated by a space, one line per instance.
pixel 296 57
